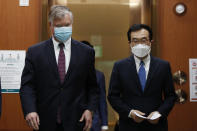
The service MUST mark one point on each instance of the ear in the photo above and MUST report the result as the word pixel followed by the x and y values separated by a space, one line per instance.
pixel 152 41
pixel 130 45
pixel 50 28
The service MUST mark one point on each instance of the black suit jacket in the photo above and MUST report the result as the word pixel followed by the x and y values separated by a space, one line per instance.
pixel 42 92
pixel 125 93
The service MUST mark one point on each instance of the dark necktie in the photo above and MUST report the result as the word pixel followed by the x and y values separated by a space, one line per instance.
pixel 61 63
pixel 62 72
pixel 142 75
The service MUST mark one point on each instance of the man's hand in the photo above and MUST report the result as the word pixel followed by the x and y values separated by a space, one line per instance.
pixel 87 115
pixel 135 117
pixel 33 120
pixel 155 121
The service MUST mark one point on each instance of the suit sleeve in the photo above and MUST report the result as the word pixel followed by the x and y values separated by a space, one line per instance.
pixel 102 102
pixel 27 90
pixel 114 94
pixel 169 94
pixel 93 90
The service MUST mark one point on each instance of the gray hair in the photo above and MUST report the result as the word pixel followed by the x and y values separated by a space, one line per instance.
pixel 58 12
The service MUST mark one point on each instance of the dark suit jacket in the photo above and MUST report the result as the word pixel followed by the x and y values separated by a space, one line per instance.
pixel 125 93
pixel 100 115
pixel 41 90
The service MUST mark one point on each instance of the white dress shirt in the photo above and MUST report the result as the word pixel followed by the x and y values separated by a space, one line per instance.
pixel 67 51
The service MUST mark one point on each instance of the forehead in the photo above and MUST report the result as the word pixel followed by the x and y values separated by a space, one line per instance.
pixel 64 20
pixel 140 34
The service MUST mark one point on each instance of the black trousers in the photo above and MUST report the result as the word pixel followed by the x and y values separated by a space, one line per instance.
pixel 59 127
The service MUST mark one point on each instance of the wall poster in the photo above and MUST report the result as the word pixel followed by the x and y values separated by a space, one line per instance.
pixel 11 66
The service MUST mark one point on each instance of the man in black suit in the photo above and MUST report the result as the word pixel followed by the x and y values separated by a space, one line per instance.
pixel 58 86
pixel 100 120
pixel 141 87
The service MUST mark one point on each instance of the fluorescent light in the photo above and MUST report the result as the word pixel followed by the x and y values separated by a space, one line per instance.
pixel 134 3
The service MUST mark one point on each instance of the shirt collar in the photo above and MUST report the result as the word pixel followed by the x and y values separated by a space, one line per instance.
pixel 66 43
pixel 146 60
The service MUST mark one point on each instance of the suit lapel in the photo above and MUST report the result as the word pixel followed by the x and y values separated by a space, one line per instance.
pixel 73 60
pixel 134 71
pixel 53 63
pixel 52 58
pixel 152 69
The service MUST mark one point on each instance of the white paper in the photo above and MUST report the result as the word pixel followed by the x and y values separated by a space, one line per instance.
pixel 193 79
pixel 154 116
pixel 140 115
pixel 23 2
pixel 11 66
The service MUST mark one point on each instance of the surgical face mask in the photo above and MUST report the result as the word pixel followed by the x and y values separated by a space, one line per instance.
pixel 62 33
pixel 141 50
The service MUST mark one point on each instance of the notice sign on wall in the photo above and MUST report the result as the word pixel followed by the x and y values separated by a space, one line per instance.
pixel 193 79
pixel 11 66
pixel 23 2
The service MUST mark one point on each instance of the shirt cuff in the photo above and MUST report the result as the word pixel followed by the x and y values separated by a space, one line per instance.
pixel 104 127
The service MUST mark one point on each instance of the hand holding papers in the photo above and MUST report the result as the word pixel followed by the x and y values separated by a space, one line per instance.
pixel 152 118
pixel 155 115
pixel 140 115
pixel 137 115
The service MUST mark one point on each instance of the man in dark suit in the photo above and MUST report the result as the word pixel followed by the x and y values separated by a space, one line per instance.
pixel 58 86
pixel 100 121
pixel 141 87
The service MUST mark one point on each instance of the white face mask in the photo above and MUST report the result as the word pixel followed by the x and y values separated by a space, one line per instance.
pixel 141 50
